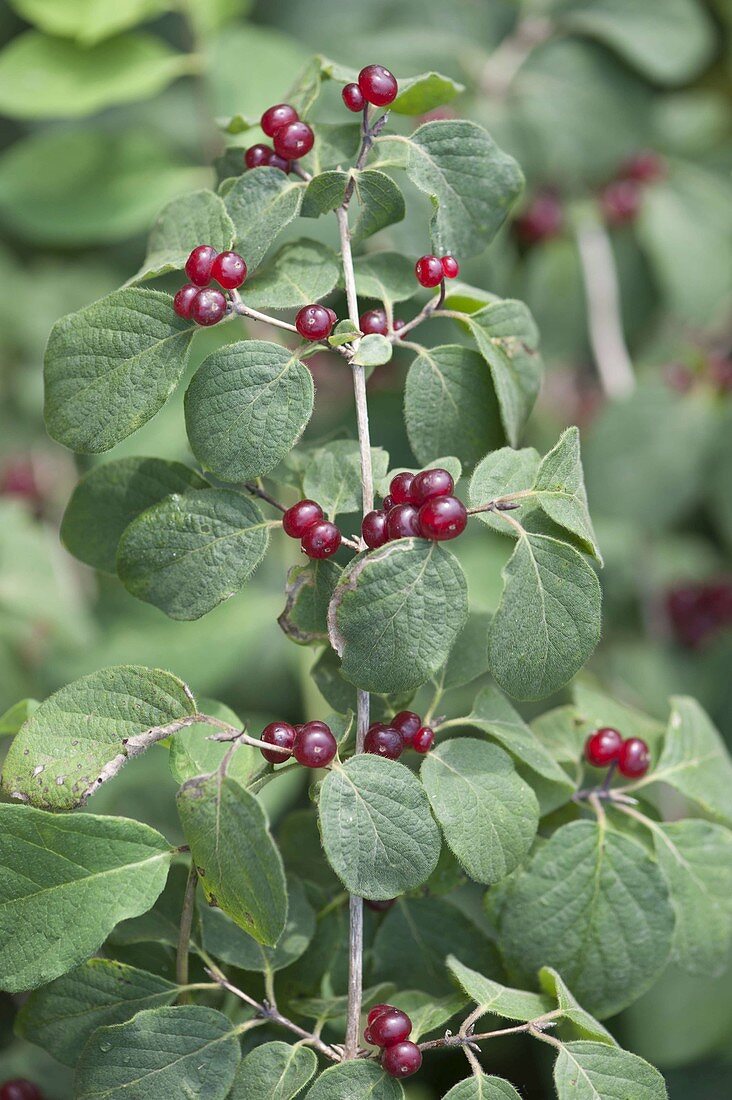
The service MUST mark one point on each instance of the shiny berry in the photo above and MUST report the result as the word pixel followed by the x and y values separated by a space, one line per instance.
pixel 403 522
pixel 229 270
pixel 314 322
pixel 281 734
pixel 390 1027
pixel 208 307
pixel 644 167
pixel 379 906
pixel 184 300
pixel 431 483
pixel 388 502
pixel 377 726
pixel 407 722
pixel 400 489
pixel 374 320
pixel 376 1011
pixel 386 742
pixel 315 745
pixel 300 516
pixel 373 529
pixel 401 1060
pixel 634 759
pixel 353 97
pixel 332 314
pixel 378 85
pixel 293 140
pixel 257 156
pixel 603 747
pixel 541 220
pixel 424 739
pixel 450 267
pixel 20 1088
pixel 621 201
pixel 321 540
pixel 442 518
pixel 199 264
pixel 428 270
pixel 274 118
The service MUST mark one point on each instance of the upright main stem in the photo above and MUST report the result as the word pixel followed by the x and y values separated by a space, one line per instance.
pixel 604 319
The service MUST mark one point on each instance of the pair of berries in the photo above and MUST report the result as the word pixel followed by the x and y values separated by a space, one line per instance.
pixel 389 1028
pixel 404 731
pixel 312 744
pixel 20 1088
pixel 431 270
pixel 417 506
pixel 376 85
pixel 292 138
pixel 199 302
pixel 607 746
pixel 375 320
pixel 621 199
pixel 319 538
pixel 315 322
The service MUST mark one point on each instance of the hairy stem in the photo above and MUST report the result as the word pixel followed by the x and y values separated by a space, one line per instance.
pixel 464 1037
pixel 184 934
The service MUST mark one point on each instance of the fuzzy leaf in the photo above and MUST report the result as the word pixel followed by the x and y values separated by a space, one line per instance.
pixel 274 1071
pixel 223 939
pixel 380 201
pixel 373 350
pixel 333 475
pixel 309 592
pixel 356 1080
pixel 87 21
pixel 14 717
pixel 501 473
pixel 586 1025
pixel 496 999
pixel 482 1088
pixel 192 752
pixel 560 490
pixel 387 276
pixel 301 272
pixel 323 193
pixel 596 1071
pixel 419 94
pixel 261 203
pixel 186 222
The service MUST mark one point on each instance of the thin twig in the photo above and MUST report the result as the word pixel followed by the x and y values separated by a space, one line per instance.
pixel 258 491
pixel 462 1038
pixel 184 933
pixel 243 310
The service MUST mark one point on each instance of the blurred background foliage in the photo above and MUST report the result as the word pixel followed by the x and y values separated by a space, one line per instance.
pixel 108 110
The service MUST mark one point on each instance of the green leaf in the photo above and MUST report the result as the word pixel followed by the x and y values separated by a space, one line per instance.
pixel 416 592
pixel 110 496
pixel 560 490
pixel 88 21
pixel 482 1088
pixel 61 1016
pixel 469 655
pixel 14 717
pixel 110 367
pixel 387 276
pixel 419 94
pixel 488 815
pixel 274 1071
pixel 501 473
pixel 596 709
pixel 596 1071
pixel 309 592
pixel 44 77
pixel 471 182
pixel 331 1008
pixel 380 201
pixel 238 863
pixel 333 475
pixel 335 144
pixel 427 1012
pixel 163 1052
pixel 86 731
pixel 496 999
pixel 161 924
pixel 301 272
pixel 89 872
pixel 344 332
pixel 261 203
pixel 192 551
pixel 246 407
pixel 192 752
pixel 611 923
pixel 450 405
pixel 323 193
pixel 182 225
pixel 377 829
pixel 548 620
pixel 373 350
pixel 223 939
pixel 581 1020
pixel 358 1080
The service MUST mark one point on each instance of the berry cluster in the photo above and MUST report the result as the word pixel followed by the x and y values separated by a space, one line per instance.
pixel 199 302
pixel 20 1088
pixel 389 1028
pixel 315 322
pixel 620 200
pixel 319 538
pixel 375 320
pixel 376 85
pixel 312 744
pixel 292 138
pixel 606 746
pixel 699 611
pixel 417 506
pixel 404 731
pixel 431 270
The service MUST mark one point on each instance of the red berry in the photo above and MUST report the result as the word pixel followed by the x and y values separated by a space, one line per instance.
pixel 184 300
pixel 541 220
pixel 450 267
pixel 386 742
pixel 431 483
pixel 321 539
pixel 20 1089
pixel 403 522
pixel 332 314
pixel 603 747
pixel 199 264
pixel 643 167
pixel 300 516
pixel 621 201
pixel 388 502
pixel 424 739
pixel 374 320
pixel 208 307
pixel 377 726
pixel 274 118
pixel 293 140
pixel 400 489
pixel 314 322
pixel 353 97
pixel 258 155
pixel 367 1037
pixel 442 518
pixel 315 745
pixel 401 1060
pixel 379 907
pixel 428 270
pixel 378 85
pixel 634 759
pixel 376 1011
pixel 229 270
pixel 278 733
pixel 373 529
pixel 399 324
pixel 407 722
pixel 390 1027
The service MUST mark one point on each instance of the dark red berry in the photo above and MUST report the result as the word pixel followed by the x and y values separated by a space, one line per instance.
pixel 321 539
pixel 199 264
pixel 315 745
pixel 399 324
pixel 332 314
pixel 208 307
pixel 699 611
pixel 293 140
pixel 378 85
pixel 644 166
pixel 450 267
pixel 428 270
pixel 229 270
pixel 300 516
pixel 374 320
pixel 274 118
pixel 431 483
pixel 541 220
pixel 621 201
pixel 373 529
pixel 184 300
pixel 388 502
pixel 401 1060
pixel 257 156
pixel 390 1027
pixel 442 518
pixel 18 479
pixel 400 489
pixel 376 1011
pixel 377 726
pixel 386 742
pixel 403 522
pixel 278 733
pixel 279 162
pixel 314 322
pixel 603 747
pixel 634 759
pixel 424 739
pixel 20 1088
pixel 353 97
pixel 407 722
pixel 379 907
